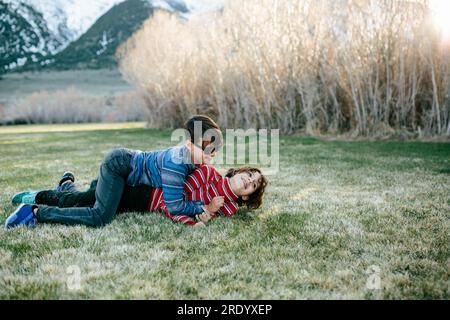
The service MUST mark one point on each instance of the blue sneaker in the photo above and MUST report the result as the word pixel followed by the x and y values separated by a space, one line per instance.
pixel 23 215
pixel 28 197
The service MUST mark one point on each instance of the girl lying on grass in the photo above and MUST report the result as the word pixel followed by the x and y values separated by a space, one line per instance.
pixel 240 187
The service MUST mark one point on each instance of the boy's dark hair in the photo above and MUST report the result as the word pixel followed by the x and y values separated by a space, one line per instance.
pixel 255 199
pixel 209 130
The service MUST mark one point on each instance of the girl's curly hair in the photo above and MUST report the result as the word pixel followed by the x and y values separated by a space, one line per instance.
pixel 255 199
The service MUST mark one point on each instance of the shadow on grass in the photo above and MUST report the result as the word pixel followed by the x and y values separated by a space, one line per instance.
pixel 443 170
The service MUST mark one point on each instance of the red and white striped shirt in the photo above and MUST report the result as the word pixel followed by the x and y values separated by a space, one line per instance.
pixel 203 184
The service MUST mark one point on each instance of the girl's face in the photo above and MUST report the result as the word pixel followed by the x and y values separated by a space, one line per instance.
pixel 246 183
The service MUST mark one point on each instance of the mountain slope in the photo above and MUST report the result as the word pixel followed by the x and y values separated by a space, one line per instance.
pixel 32 31
pixel 68 34
pixel 96 47
pixel 24 37
pixel 69 19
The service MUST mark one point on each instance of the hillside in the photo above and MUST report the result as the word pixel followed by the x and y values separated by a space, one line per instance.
pixel 24 37
pixel 96 47
pixel 61 35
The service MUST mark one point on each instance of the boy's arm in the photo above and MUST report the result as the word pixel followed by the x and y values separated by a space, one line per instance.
pixel 173 177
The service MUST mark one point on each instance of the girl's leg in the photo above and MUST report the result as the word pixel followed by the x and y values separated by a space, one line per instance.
pixel 67 199
pixel 68 186
pixel 133 198
pixel 114 171
pixel 49 197
pixel 77 199
pixel 68 176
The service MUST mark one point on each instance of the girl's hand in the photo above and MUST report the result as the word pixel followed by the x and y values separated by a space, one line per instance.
pixel 205 216
pixel 215 204
pixel 199 225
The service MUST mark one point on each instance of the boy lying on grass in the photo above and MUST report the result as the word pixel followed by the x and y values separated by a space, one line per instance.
pixel 166 169
pixel 243 186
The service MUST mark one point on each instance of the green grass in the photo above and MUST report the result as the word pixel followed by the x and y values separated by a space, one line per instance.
pixel 335 210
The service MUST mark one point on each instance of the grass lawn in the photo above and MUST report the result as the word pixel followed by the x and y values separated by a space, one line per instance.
pixel 341 220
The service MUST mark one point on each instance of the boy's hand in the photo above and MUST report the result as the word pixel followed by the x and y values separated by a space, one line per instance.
pixel 215 204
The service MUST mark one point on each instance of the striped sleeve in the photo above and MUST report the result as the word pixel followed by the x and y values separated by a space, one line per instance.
pixel 156 199
pixel 229 209
pixel 199 177
pixel 180 218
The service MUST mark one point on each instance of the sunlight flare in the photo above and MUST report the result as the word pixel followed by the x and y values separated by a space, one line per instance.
pixel 440 12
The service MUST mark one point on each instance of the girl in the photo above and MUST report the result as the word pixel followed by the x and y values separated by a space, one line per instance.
pixel 242 186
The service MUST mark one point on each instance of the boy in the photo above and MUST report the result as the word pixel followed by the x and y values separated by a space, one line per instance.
pixel 166 169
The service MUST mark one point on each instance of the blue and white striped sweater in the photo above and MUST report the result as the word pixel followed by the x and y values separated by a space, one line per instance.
pixel 166 169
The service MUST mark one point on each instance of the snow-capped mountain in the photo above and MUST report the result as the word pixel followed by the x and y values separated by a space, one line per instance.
pixel 96 47
pixel 38 31
pixel 68 19
pixel 32 31
pixel 201 6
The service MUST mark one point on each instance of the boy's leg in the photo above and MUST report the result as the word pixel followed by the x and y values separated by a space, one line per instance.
pixel 114 171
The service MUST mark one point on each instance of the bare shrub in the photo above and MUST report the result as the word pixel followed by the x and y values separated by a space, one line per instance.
pixel 129 106
pixel 62 106
pixel 316 65
pixel 74 106
pixel 2 111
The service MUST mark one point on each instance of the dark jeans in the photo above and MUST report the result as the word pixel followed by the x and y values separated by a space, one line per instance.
pixel 114 171
pixel 68 196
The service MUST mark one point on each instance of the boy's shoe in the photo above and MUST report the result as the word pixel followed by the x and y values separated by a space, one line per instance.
pixel 66 177
pixel 28 197
pixel 23 215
